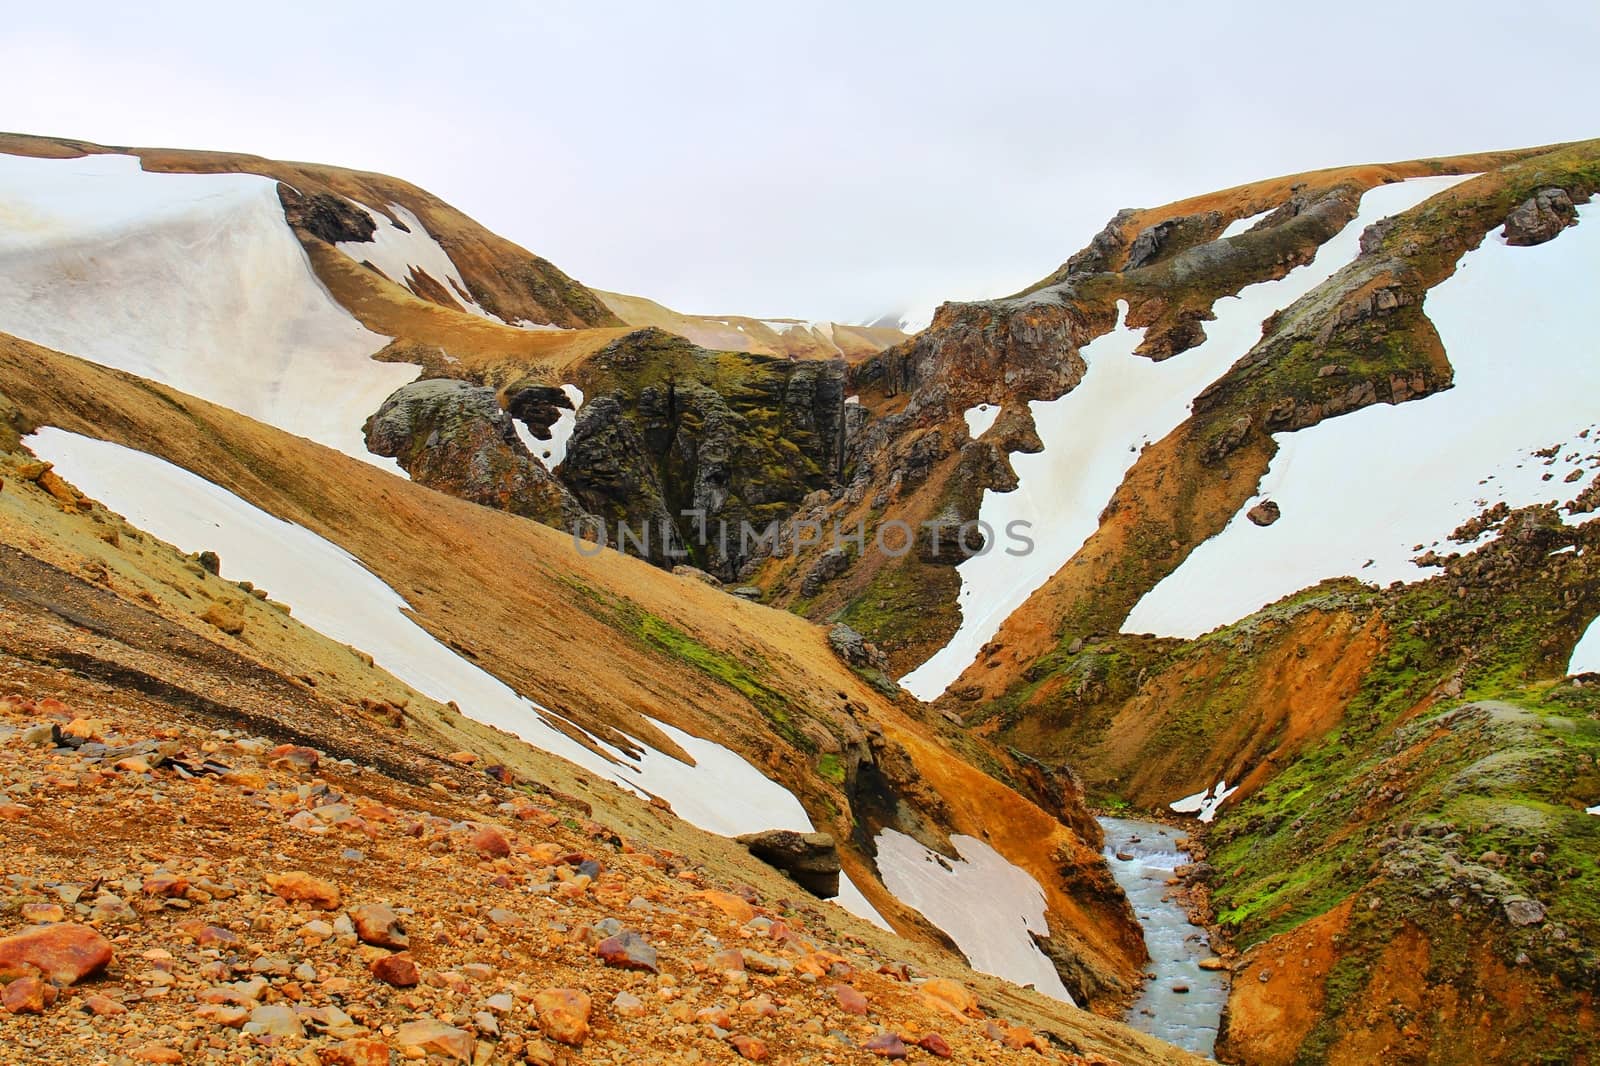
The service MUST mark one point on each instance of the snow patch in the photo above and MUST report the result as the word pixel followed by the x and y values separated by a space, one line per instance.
pixel 399 254
pixel 191 280
pixel 330 591
pixel 1204 805
pixel 980 418
pixel 1241 225
pixel 988 906
pixel 551 453
pixel 818 331
pixel 1358 492
pixel 1093 435
pixel 1586 653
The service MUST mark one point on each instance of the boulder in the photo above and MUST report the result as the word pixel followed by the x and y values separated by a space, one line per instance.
pixel 750 1048
pixel 811 859
pixel 627 951
pixel 698 574
pixel 886 1045
pixel 849 999
pixel 1523 911
pixel 1541 217
pixel 1264 513
pixel 27 995
pixel 64 954
pixel 944 994
pixel 397 970
pixel 853 648
pixel 735 907
pixel 297 886
pixel 436 1038
pixel 491 842
pixel 829 565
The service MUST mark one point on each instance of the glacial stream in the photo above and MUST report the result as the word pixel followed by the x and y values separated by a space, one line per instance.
pixel 1188 1019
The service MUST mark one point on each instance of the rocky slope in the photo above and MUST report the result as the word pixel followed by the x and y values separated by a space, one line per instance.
pixel 248 900
pixel 608 640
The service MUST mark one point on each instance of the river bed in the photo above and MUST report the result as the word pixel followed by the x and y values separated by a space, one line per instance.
pixel 1188 1019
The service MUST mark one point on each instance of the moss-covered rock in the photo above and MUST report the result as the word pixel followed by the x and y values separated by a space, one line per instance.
pixel 452 435
pixel 704 450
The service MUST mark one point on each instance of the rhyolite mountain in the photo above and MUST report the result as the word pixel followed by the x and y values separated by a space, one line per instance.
pixel 1306 470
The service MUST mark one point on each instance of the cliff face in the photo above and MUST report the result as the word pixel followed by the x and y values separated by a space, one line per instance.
pixel 737 440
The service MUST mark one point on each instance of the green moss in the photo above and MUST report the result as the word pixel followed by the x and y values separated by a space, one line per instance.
pixel 725 670
pixel 830 768
pixel 905 605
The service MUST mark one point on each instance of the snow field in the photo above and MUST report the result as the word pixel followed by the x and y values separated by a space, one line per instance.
pixel 987 906
pixel 191 280
pixel 1359 492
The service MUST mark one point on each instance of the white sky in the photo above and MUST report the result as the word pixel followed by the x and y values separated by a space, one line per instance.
pixel 813 159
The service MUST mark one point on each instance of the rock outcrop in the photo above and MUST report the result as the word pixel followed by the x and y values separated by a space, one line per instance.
pixel 812 859
pixel 703 450
pixel 1541 217
pixel 452 435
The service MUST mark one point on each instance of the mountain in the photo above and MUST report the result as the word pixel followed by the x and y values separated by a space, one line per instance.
pixel 793 337
pixel 1257 530
pixel 199 350
pixel 1304 468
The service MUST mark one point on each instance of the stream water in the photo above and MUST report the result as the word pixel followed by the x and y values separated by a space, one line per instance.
pixel 1188 1019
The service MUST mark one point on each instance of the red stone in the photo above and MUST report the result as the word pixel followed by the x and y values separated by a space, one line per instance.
pixel 491 842
pixel 65 954
pixel 887 1045
pixel 25 995
pixel 397 970
pixel 749 1047
pixel 850 1001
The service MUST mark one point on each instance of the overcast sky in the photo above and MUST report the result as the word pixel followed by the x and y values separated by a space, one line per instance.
pixel 811 159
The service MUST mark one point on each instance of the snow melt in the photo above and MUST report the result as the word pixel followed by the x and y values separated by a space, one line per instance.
pixel 330 591
pixel 1093 435
pixel 1359 492
pixel 988 907
pixel 192 280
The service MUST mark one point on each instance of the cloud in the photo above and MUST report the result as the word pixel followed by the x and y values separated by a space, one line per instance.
pixel 827 159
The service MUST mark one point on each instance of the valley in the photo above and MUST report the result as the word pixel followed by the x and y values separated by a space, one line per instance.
pixel 1251 715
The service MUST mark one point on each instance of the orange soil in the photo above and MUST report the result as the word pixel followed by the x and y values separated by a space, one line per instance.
pixel 1267 1020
